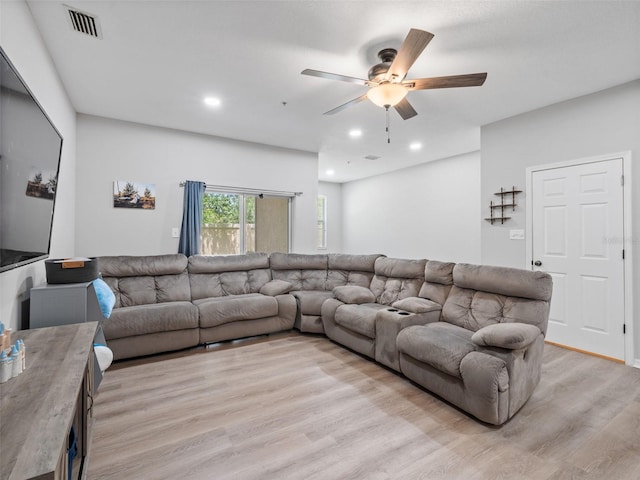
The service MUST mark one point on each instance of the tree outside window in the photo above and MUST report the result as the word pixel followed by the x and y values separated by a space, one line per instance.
pixel 235 223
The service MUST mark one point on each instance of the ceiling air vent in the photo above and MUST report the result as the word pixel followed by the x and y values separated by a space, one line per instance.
pixel 372 157
pixel 83 22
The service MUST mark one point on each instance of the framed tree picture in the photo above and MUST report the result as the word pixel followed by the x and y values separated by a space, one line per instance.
pixel 129 194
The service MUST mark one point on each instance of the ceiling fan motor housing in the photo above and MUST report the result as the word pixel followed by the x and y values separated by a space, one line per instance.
pixel 378 71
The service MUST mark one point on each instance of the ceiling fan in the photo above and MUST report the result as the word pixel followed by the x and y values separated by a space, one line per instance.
pixel 388 87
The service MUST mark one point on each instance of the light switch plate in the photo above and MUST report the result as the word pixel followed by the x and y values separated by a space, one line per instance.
pixel 175 232
pixel 516 234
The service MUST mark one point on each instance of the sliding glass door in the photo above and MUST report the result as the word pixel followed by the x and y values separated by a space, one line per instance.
pixel 272 224
pixel 236 223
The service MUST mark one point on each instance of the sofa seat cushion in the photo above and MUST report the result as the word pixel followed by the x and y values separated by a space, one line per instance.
pixel 219 310
pixel 311 301
pixel 153 318
pixel 359 318
pixel 440 345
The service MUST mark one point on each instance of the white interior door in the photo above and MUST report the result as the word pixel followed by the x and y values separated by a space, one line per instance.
pixel 577 232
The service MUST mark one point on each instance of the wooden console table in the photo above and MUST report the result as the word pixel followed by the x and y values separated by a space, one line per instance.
pixel 39 407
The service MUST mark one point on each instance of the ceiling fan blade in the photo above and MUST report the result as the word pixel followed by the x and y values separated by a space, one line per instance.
pixel 470 80
pixel 404 108
pixel 335 76
pixel 411 48
pixel 346 105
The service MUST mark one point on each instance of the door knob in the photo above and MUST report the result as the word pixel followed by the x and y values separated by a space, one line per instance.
pixel 537 263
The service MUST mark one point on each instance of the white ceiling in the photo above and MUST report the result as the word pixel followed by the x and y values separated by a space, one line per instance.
pixel 157 60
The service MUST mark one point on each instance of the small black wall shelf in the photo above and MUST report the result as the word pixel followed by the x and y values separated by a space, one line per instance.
pixel 505 202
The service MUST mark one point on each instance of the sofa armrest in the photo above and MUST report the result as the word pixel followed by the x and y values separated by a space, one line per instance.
pixel 354 294
pixel 275 287
pixel 417 305
pixel 512 336
pixel 389 323
pixel 287 307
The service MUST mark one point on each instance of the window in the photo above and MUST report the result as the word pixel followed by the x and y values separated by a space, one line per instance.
pixel 234 223
pixel 322 221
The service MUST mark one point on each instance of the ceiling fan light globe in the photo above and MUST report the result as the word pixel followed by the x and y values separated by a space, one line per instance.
pixel 387 94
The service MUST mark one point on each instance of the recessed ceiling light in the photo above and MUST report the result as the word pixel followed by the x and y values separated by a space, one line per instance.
pixel 356 132
pixel 330 172
pixel 415 146
pixel 212 101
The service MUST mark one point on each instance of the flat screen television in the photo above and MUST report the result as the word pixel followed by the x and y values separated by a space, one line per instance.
pixel 30 149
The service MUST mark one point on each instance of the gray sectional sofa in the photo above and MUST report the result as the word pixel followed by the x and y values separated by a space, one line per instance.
pixel 471 334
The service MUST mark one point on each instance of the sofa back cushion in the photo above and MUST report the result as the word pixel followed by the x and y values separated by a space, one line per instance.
pixel 217 276
pixel 345 269
pixel 438 280
pixel 143 280
pixel 304 272
pixel 484 295
pixel 396 278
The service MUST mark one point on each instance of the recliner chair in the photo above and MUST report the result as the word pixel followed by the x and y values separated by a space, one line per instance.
pixel 485 355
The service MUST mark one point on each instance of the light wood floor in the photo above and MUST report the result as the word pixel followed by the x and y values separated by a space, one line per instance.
pixel 301 407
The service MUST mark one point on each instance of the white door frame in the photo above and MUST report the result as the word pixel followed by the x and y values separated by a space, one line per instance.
pixel 626 241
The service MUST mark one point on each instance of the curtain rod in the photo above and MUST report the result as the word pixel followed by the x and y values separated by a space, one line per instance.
pixel 256 191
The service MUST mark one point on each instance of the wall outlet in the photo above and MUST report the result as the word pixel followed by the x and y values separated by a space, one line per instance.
pixel 516 234
pixel 175 232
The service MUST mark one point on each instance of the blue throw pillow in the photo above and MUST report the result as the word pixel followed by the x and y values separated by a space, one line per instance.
pixel 106 298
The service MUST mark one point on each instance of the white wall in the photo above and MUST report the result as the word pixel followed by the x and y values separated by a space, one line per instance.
pixel 429 211
pixel 598 124
pixel 333 192
pixel 110 150
pixel 23 45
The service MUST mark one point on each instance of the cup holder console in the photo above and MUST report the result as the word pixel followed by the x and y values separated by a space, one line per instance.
pixel 395 310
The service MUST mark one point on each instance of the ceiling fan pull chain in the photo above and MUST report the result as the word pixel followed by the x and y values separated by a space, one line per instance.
pixel 387 126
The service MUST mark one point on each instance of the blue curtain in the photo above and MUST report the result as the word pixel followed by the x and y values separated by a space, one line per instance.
pixel 191 218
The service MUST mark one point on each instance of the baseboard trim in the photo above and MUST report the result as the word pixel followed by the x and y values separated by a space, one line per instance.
pixel 636 364
pixel 567 347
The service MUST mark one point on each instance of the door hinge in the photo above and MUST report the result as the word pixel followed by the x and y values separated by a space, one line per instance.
pixel 622 180
pixel 623 253
pixel 624 328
